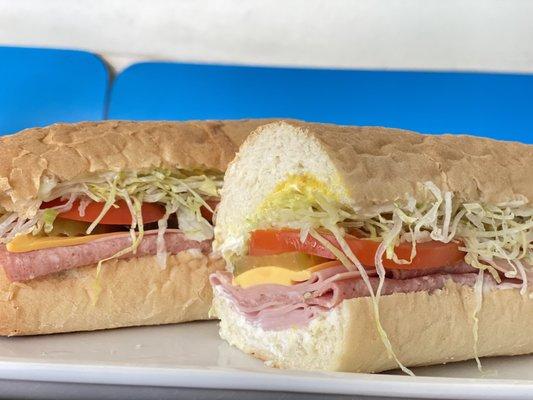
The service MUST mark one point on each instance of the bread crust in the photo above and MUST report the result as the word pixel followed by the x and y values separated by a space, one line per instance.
pixel 377 165
pixel 424 329
pixel 132 292
pixel 66 151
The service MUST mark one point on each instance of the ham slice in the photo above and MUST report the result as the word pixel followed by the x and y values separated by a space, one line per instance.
pixel 277 307
pixel 32 264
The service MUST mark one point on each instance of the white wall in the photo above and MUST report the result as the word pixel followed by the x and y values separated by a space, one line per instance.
pixel 494 35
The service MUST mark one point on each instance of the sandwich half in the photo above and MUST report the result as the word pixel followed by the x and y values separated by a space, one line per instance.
pixel 108 224
pixel 367 249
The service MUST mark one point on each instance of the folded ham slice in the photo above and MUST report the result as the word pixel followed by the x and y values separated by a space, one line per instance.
pixel 277 307
pixel 32 264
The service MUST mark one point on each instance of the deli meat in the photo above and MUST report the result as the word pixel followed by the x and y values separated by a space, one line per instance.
pixel 276 307
pixel 32 264
pixel 459 268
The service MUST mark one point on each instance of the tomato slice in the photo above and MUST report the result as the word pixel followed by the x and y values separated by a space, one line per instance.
pixel 117 215
pixel 430 254
pixel 208 215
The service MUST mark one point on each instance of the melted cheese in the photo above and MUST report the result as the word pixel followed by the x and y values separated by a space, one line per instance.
pixel 24 243
pixel 276 275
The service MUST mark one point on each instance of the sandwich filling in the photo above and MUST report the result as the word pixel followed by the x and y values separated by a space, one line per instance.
pixel 305 252
pixel 112 215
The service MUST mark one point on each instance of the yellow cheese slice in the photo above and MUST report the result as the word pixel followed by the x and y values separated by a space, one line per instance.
pixel 276 275
pixel 23 243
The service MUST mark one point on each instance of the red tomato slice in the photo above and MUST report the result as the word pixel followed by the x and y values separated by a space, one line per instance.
pixel 208 215
pixel 428 254
pixel 117 215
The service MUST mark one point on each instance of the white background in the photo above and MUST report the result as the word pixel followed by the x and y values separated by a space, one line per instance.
pixel 494 35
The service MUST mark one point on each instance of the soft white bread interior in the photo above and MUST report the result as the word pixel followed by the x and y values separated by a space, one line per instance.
pixel 367 166
pixel 424 329
pixel 127 293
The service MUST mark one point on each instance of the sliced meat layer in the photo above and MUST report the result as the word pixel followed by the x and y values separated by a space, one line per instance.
pixel 459 268
pixel 32 264
pixel 276 307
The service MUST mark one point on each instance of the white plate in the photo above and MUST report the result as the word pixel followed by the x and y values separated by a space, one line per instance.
pixel 191 355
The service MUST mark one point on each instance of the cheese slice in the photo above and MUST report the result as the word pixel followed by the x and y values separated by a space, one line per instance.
pixel 277 275
pixel 24 243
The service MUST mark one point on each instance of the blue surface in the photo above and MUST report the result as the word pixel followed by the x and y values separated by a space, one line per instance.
pixel 494 105
pixel 43 86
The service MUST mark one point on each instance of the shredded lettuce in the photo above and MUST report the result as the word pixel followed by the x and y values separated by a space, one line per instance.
pixel 194 225
pixel 478 299
pixel 49 217
pixel 495 237
pixel 182 192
